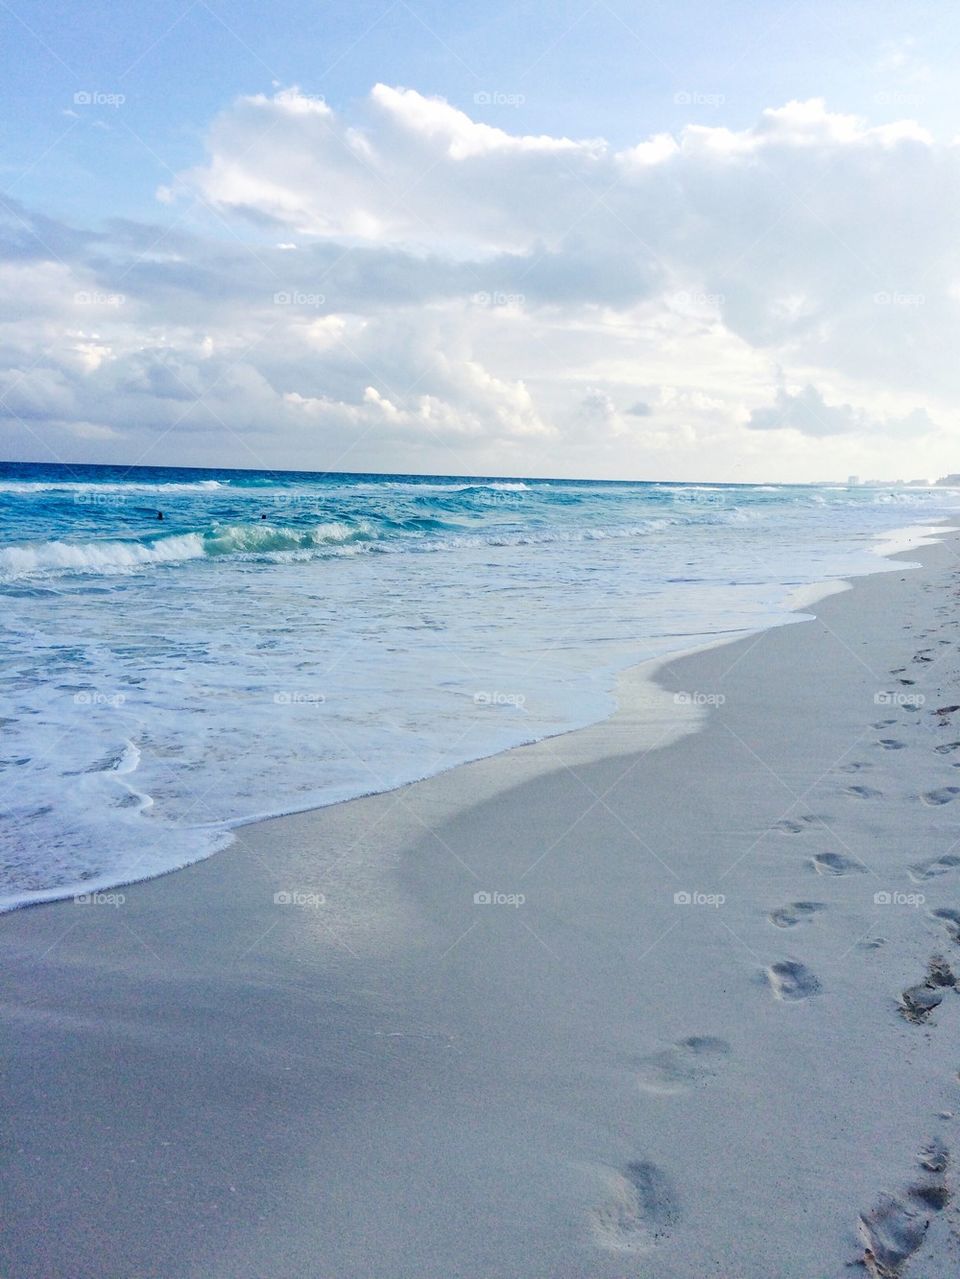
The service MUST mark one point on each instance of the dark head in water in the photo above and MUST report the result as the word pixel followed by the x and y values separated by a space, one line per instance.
pixel 159 515
pixel 263 517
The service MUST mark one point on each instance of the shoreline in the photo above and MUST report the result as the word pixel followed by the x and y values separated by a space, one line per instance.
pixel 621 693
pixel 597 1080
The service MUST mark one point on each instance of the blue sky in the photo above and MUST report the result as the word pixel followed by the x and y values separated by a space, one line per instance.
pixel 627 239
pixel 613 70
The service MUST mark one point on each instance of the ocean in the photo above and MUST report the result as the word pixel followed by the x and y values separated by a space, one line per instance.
pixel 285 640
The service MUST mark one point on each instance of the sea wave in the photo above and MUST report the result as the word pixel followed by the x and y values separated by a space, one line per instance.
pixel 27 487
pixel 117 557
pixel 264 542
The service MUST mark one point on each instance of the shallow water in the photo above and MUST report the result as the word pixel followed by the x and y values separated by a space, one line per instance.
pixel 285 640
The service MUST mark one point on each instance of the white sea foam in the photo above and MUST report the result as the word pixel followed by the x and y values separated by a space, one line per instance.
pixel 71 486
pixel 96 557
pixel 107 557
pixel 190 681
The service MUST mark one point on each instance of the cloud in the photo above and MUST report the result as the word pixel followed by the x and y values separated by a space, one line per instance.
pixel 805 411
pixel 403 286
pixel 808 412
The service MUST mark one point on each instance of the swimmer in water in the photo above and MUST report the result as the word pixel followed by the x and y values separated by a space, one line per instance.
pixel 159 515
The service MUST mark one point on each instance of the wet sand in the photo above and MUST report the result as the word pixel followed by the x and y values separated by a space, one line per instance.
pixel 666 998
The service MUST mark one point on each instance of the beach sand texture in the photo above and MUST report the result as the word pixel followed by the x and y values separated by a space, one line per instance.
pixel 666 998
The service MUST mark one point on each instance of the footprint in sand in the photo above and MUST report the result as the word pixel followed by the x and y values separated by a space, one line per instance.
pixel 943 795
pixel 837 864
pixel 947 748
pixel 860 766
pixel 689 1062
pixel 893 1231
pixel 938 866
pixel 884 723
pixel 918 1002
pixel 935 1156
pixel 946 915
pixel 863 792
pixel 891 744
pixel 795 825
pixel 794 913
pixel 791 980
pixel 890 1235
pixel 641 1211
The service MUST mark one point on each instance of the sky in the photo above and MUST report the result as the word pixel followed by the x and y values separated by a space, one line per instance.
pixel 612 240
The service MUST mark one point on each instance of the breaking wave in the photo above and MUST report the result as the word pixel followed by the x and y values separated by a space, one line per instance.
pixel 117 557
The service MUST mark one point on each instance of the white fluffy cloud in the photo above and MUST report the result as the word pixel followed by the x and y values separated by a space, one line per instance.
pixel 405 288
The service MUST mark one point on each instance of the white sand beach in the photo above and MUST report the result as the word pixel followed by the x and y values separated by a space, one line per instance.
pixel 666 998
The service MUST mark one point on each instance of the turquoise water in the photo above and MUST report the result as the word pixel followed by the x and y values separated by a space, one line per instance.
pixel 282 640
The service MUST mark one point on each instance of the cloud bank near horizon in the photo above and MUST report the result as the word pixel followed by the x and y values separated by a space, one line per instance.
pixel 406 288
